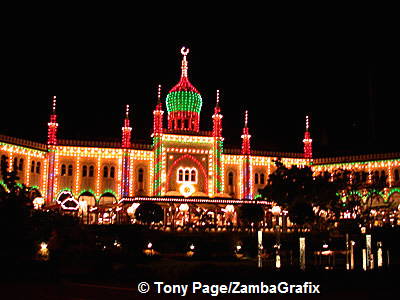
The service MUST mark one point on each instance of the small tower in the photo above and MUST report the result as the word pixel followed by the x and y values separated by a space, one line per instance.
pixel 158 115
pixel 126 130
pixel 157 146
pixel 246 136
pixel 126 144
pixel 218 147
pixel 307 141
pixel 52 125
pixel 247 190
pixel 51 157
pixel 217 119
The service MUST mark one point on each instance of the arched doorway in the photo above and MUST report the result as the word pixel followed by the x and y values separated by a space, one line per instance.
pixel 87 207
pixel 107 209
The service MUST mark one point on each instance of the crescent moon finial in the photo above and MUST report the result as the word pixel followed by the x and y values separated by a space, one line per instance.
pixel 184 51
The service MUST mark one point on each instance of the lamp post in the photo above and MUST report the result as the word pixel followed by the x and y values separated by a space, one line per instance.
pixel 276 211
pixel 352 243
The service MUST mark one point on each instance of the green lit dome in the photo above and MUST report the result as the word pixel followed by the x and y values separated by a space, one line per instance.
pixel 184 101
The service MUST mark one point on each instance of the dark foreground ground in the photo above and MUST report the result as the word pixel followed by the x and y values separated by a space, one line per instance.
pixel 45 281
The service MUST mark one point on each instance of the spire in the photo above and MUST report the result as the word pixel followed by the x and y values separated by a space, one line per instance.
pixel 217 123
pixel 54 105
pixel 158 114
pixel 52 125
pixel 126 130
pixel 127 112
pixel 246 136
pixel 184 52
pixel 159 94
pixel 184 102
pixel 307 124
pixel 307 140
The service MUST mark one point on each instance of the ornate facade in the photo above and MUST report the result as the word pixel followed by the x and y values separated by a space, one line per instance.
pixel 183 165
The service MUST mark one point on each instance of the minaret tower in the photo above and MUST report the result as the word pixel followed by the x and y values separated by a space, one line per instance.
pixel 218 147
pixel 51 143
pixel 157 145
pixel 126 130
pixel 307 141
pixel 126 144
pixel 247 191
pixel 184 102
pixel 52 125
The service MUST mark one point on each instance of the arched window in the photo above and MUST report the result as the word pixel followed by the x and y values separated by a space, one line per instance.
pixel 396 175
pixel 186 123
pixel 357 177
pixel 187 175
pixel 33 166
pixel 140 175
pixel 15 164
pixel 4 160
pixel 262 178
pixel 91 171
pixel 179 124
pixel 230 178
pixel 63 170
pixel 70 170
pixel 112 172
pixel 364 176
pixel 38 167
pixel 84 171
pixel 180 175
pixel 256 178
pixel 105 172
pixel 193 176
pixel 383 174
pixel 21 164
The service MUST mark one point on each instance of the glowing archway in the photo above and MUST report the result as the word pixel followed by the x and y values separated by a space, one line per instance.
pixel 188 156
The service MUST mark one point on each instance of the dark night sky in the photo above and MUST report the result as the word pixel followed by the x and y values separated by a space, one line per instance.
pixel 279 78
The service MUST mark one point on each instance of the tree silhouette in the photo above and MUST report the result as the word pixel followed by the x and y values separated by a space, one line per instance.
pixel 301 193
pixel 149 212
pixel 251 213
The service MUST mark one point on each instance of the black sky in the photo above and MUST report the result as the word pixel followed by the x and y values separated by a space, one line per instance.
pixel 278 77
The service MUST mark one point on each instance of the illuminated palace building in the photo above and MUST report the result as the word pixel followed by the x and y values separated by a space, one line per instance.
pixel 188 172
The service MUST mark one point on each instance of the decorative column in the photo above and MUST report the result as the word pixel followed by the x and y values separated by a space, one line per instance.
pixel 218 148
pixel 126 144
pixel 307 141
pixel 157 145
pixel 247 182
pixel 52 127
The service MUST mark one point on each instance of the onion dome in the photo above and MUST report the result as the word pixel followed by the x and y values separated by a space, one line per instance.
pixel 184 102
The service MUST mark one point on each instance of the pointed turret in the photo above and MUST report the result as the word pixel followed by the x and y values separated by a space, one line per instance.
pixel 52 125
pixel 246 136
pixel 158 115
pixel 126 130
pixel 307 140
pixel 218 147
pixel 217 119
pixel 247 187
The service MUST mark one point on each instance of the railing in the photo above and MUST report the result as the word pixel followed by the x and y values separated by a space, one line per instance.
pixel 265 153
pixel 23 142
pixel 189 132
pixel 102 144
pixel 357 158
